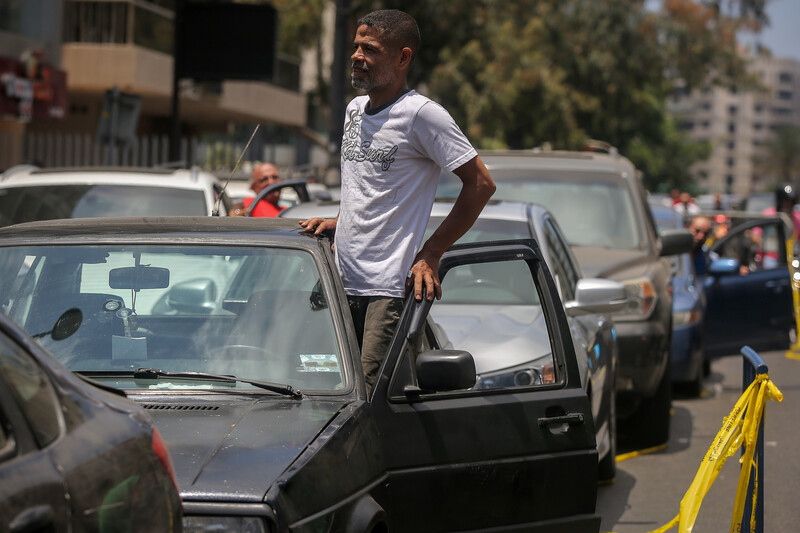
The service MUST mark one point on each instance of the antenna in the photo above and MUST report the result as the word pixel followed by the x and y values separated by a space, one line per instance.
pixel 215 212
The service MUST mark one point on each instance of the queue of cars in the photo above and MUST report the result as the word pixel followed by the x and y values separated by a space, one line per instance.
pixel 601 205
pixel 234 336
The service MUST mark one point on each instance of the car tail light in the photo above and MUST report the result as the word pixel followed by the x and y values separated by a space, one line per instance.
pixel 163 455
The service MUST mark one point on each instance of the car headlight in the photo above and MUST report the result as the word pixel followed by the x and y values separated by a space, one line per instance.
pixel 219 524
pixel 684 318
pixel 537 372
pixel 642 298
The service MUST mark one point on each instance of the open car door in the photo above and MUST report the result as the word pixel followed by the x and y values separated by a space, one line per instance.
pixel 748 289
pixel 521 456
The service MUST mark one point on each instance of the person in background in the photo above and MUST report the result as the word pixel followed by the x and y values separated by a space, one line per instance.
pixel 263 175
pixel 686 206
pixel 700 228
pixel 395 144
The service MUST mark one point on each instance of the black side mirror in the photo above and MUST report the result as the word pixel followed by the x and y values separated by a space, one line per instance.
pixel 676 242
pixel 445 370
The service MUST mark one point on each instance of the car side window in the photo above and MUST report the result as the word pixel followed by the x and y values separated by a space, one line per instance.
pixel 32 391
pixel 757 248
pixel 563 270
pixel 501 324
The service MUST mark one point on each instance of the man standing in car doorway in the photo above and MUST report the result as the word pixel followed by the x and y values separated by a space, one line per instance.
pixel 395 144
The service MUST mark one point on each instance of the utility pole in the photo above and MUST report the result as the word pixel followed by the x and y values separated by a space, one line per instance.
pixel 338 80
pixel 175 117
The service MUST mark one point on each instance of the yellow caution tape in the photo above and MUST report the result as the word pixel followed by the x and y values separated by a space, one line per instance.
pixel 739 428
pixel 794 350
pixel 623 456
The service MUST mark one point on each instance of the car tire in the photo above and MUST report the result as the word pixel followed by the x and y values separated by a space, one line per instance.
pixel 607 467
pixel 652 419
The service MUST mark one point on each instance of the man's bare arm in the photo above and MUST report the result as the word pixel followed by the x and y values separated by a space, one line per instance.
pixel 319 225
pixel 477 187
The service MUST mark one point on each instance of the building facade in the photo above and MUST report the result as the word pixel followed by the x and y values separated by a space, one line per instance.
pixel 127 45
pixel 738 124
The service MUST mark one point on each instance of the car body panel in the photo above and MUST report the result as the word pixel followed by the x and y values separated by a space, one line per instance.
pixel 353 462
pixel 100 473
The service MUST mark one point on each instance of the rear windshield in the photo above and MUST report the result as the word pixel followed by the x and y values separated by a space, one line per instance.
pixel 27 204
pixel 592 209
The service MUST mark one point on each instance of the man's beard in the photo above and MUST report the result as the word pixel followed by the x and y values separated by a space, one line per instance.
pixel 362 84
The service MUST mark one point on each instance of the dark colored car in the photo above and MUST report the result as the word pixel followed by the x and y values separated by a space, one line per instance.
pixel 235 334
pixel 486 315
pixel 687 360
pixel 74 457
pixel 601 206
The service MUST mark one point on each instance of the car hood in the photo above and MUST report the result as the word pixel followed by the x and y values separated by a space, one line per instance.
pixel 497 336
pixel 234 450
pixel 611 264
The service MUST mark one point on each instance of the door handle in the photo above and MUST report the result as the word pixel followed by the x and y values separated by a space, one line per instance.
pixel 32 519
pixel 573 419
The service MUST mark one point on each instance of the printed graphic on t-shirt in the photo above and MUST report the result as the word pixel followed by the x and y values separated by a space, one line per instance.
pixel 354 149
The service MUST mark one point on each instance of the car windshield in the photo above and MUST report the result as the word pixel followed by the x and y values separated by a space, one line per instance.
pixel 47 202
pixel 257 313
pixel 505 283
pixel 592 210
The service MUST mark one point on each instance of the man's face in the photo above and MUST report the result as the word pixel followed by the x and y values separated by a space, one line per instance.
pixel 372 61
pixel 700 229
pixel 264 175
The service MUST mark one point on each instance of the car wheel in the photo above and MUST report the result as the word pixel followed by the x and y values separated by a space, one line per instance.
pixel 651 421
pixel 607 468
pixel 694 388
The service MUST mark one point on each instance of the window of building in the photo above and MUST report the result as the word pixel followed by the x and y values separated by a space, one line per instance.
pixel 731 145
pixel 759 108
pixel 705 105
pixel 785 95
pixel 706 124
pixel 785 77
pixel 732 127
pixel 732 110
pixel 781 111
pixel 757 125
pixel 731 162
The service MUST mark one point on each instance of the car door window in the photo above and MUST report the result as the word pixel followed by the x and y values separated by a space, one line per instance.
pixel 493 311
pixel 757 248
pixel 32 391
pixel 561 263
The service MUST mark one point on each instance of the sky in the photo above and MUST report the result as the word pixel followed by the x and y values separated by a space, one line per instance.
pixel 782 36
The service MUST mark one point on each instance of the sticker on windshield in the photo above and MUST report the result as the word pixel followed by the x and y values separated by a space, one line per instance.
pixel 319 362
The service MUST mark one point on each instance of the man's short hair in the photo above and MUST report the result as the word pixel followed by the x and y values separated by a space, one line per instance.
pixel 398 28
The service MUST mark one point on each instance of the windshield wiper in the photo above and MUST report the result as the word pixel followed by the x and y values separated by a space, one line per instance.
pixel 154 373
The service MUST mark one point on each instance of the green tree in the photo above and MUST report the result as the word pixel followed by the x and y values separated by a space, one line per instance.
pixel 781 157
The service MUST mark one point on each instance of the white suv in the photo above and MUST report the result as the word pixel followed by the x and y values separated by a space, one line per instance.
pixel 29 193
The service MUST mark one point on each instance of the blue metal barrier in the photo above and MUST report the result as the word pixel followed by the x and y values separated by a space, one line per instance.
pixel 753 365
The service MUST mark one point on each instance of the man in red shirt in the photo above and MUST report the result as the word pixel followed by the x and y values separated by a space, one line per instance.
pixel 263 175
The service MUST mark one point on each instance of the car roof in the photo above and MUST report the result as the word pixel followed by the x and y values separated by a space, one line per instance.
pixel 152 177
pixel 247 229
pixel 612 163
pixel 494 209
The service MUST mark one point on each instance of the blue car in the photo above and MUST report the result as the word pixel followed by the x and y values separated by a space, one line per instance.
pixel 687 362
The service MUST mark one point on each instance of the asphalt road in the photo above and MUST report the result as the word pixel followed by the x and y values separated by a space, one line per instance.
pixel 649 488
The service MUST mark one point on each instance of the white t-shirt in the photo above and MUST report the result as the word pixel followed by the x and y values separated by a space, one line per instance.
pixel 391 162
